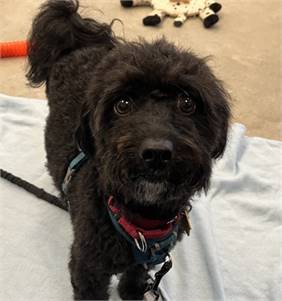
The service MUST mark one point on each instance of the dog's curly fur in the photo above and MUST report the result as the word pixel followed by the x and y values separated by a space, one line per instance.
pixel 88 71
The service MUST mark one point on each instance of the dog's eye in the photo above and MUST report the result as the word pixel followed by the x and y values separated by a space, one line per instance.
pixel 186 104
pixel 123 106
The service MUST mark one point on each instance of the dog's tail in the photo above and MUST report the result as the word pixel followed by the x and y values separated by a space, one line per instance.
pixel 56 31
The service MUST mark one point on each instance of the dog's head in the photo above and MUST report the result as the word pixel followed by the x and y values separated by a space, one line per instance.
pixel 158 117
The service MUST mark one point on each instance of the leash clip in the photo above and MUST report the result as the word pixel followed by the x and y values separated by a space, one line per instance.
pixel 152 293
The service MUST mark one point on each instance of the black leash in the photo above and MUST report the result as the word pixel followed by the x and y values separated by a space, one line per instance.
pixel 152 293
pixel 38 192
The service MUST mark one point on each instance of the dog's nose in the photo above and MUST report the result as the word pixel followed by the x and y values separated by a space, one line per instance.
pixel 156 153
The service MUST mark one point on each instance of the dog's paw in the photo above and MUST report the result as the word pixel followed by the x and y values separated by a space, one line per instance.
pixel 126 3
pixel 152 20
pixel 130 295
pixel 131 290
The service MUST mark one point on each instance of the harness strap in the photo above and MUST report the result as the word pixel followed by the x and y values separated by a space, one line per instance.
pixel 74 165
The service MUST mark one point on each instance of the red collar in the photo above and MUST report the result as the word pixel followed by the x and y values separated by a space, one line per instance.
pixel 150 228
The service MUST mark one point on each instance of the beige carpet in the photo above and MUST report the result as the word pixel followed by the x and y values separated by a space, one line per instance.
pixel 245 46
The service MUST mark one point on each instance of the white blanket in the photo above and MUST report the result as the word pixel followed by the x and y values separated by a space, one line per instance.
pixel 232 253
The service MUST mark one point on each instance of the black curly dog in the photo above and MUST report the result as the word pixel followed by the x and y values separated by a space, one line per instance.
pixel 149 116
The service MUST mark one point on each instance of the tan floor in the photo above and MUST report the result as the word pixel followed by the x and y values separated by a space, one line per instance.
pixel 245 46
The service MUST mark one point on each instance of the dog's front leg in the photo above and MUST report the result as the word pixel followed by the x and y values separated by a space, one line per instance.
pixel 88 284
pixel 133 283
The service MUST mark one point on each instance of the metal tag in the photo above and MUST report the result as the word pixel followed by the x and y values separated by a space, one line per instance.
pixel 186 222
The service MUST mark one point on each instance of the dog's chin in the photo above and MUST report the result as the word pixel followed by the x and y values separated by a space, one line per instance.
pixel 149 192
pixel 149 198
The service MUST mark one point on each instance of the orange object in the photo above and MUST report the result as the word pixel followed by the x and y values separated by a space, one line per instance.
pixel 10 49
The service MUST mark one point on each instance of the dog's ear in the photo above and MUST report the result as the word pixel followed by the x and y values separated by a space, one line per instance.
pixel 216 107
pixel 219 120
pixel 83 135
pixel 221 138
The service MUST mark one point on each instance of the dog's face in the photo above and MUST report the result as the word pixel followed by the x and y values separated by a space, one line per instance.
pixel 157 117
